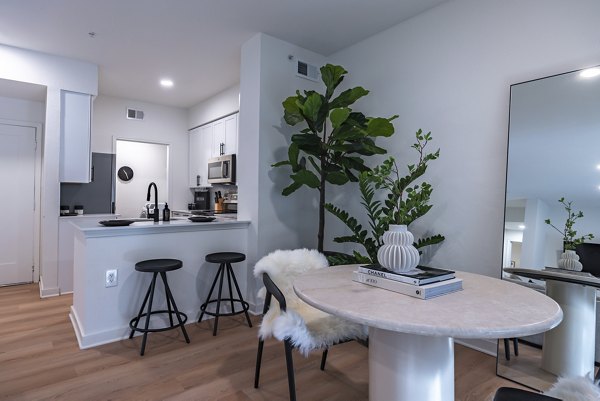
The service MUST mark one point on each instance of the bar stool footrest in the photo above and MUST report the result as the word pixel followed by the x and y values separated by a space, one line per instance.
pixel 134 322
pixel 245 307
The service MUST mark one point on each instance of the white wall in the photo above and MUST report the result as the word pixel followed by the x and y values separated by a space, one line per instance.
pixel 510 236
pixel 267 78
pixel 56 73
pixel 448 71
pixel 219 105
pixel 22 110
pixel 150 163
pixel 534 235
pixel 161 124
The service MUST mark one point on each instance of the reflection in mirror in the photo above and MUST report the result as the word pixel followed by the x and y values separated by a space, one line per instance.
pixel 554 152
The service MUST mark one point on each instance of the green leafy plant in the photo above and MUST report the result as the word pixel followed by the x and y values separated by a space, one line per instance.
pixel 569 234
pixel 404 202
pixel 331 147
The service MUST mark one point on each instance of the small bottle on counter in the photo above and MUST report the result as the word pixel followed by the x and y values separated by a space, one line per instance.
pixel 78 209
pixel 166 213
pixel 64 210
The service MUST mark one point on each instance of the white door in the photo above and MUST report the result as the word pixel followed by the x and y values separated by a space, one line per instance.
pixel 17 180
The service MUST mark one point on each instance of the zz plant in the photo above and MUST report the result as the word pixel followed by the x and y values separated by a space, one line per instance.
pixel 331 146
pixel 403 203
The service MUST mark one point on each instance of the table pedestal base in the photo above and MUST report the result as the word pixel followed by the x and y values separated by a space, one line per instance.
pixel 410 367
pixel 569 348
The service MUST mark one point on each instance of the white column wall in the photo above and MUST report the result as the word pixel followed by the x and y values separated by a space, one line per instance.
pixel 534 235
pixel 278 222
pixel 56 73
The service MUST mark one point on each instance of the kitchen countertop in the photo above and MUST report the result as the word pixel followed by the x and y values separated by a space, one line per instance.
pixel 90 228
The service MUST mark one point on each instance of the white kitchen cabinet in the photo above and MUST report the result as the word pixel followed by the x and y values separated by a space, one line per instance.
pixel 218 138
pixel 225 132
pixel 200 151
pixel 75 137
pixel 231 134
pixel 210 140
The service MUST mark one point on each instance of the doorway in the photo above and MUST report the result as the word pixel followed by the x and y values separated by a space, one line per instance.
pixel 17 180
pixel 137 165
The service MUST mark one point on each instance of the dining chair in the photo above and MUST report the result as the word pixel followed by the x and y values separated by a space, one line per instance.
pixel 290 320
pixel 515 341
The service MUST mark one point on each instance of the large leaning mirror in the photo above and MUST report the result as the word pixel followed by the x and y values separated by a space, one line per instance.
pixel 553 154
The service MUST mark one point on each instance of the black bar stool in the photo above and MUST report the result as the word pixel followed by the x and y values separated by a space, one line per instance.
pixel 158 266
pixel 225 259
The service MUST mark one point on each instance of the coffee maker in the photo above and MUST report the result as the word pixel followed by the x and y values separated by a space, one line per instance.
pixel 201 200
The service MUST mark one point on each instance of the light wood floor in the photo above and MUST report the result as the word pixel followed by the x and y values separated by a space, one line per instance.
pixel 40 360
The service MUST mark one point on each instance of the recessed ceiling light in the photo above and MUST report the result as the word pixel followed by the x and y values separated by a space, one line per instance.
pixel 598 166
pixel 590 72
pixel 166 83
pixel 522 226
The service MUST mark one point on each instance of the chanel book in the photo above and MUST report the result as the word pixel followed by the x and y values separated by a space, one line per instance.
pixel 425 291
pixel 419 276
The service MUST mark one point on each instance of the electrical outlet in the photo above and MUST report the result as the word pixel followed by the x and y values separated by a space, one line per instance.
pixel 111 278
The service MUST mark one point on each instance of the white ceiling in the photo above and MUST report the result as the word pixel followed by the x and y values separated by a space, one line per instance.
pixel 194 42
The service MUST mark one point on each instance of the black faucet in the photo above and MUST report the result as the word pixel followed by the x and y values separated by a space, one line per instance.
pixel 156 214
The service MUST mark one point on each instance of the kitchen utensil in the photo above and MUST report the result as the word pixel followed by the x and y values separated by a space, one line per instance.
pixel 201 219
pixel 116 222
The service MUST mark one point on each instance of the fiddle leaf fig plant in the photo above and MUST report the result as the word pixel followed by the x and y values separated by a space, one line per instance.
pixel 569 234
pixel 335 139
pixel 403 203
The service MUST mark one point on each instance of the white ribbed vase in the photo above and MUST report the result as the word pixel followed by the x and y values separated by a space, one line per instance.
pixel 398 253
pixel 569 260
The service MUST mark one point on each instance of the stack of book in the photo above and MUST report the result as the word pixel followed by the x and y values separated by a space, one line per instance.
pixel 422 282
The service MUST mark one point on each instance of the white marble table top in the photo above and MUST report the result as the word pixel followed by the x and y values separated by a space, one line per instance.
pixel 485 308
pixel 558 275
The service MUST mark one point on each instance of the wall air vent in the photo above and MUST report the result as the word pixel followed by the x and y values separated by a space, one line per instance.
pixel 307 71
pixel 135 114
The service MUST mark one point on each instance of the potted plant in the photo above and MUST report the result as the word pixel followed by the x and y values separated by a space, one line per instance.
pixel 569 259
pixel 404 202
pixel 331 146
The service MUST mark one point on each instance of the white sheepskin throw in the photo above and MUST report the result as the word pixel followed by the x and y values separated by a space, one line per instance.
pixel 307 328
pixel 575 389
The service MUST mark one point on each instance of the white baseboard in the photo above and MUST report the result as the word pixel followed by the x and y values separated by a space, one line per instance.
pixel 90 340
pixel 48 292
pixel 487 346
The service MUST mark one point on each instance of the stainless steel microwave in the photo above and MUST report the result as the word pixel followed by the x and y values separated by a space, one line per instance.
pixel 221 170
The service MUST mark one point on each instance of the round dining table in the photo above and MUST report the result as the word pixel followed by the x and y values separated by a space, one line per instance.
pixel 411 340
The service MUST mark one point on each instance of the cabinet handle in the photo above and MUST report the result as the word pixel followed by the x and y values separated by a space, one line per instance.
pixel 222 149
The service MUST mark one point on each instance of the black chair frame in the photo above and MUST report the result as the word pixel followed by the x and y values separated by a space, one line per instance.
pixel 507 347
pixel 274 291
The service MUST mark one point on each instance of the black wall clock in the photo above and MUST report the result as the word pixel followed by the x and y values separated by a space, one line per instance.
pixel 125 173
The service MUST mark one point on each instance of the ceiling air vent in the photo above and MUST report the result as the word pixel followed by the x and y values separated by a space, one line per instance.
pixel 307 71
pixel 135 114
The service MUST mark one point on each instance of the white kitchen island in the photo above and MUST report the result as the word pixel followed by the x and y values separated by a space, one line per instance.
pixel 100 314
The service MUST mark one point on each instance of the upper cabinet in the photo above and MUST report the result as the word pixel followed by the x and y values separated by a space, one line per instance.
pixel 210 140
pixel 75 137
pixel 200 151
pixel 224 140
